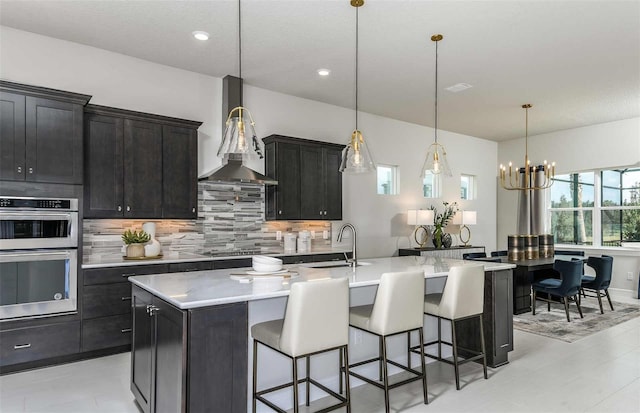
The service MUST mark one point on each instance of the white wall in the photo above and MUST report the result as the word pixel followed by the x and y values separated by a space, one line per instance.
pixel 122 81
pixel 607 145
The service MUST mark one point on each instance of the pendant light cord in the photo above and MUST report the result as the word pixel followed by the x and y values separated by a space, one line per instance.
pixel 240 51
pixel 357 68
pixel 436 105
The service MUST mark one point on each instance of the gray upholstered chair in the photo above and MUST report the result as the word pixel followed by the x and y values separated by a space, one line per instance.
pixel 316 320
pixel 462 298
pixel 397 309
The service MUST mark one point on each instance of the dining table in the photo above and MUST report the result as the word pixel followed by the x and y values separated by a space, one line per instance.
pixel 525 273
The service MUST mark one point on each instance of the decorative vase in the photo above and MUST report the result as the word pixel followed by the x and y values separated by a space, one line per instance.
pixel 153 247
pixel 135 250
pixel 437 237
pixel 446 240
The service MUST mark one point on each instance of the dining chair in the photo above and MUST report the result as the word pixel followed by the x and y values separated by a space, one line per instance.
pixel 603 267
pixel 566 285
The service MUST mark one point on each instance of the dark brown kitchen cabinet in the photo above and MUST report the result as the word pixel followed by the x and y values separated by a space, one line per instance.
pixel 40 134
pixel 188 360
pixel 139 165
pixel 309 183
pixel 142 169
pixel 179 172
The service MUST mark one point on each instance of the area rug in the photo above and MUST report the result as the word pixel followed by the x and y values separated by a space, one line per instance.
pixel 554 323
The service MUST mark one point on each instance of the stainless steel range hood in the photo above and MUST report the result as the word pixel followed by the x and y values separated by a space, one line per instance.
pixel 232 169
pixel 235 171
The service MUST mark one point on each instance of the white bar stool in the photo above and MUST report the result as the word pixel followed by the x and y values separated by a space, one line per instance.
pixel 316 320
pixel 462 298
pixel 397 309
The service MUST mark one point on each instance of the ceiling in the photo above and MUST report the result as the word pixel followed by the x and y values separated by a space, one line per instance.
pixel 577 62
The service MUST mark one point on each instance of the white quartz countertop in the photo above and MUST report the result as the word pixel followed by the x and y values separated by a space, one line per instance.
pixel 116 260
pixel 206 288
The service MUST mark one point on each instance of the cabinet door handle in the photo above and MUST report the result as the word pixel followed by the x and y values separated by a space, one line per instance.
pixel 119 208
pixel 126 330
pixel 30 170
pixel 125 298
pixel 325 212
pixel 193 210
pixel 128 208
pixel 131 274
pixel 152 310
pixel 320 213
pixel 19 169
pixel 280 212
pixel 20 346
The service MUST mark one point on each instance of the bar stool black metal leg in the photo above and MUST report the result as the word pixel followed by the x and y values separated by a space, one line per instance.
pixel 424 366
pixel 308 377
pixel 295 385
pixel 455 353
pixel 385 376
pixel 255 375
pixel 346 377
pixel 484 351
pixel 409 348
pixel 380 362
pixel 439 340
pixel 341 370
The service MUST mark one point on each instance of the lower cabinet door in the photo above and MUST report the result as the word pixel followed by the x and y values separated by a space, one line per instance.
pixel 106 332
pixel 141 349
pixel 36 343
pixel 170 375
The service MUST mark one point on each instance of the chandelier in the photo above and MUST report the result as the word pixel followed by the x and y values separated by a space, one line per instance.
pixel 528 177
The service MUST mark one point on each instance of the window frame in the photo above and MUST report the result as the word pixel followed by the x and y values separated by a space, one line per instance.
pixel 596 209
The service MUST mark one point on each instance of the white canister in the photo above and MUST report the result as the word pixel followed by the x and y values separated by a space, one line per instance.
pixel 290 242
pixel 149 228
pixel 304 241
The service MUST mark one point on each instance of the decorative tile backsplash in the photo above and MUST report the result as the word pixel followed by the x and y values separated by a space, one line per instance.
pixel 230 220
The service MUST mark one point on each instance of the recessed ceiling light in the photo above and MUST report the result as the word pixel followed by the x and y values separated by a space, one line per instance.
pixel 324 72
pixel 200 35
pixel 458 87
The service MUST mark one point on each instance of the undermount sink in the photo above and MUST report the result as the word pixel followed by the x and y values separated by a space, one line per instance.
pixel 342 264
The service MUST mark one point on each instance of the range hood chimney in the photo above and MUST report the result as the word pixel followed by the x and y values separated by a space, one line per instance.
pixel 232 169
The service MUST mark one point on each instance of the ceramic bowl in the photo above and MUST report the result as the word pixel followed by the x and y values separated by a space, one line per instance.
pixel 261 267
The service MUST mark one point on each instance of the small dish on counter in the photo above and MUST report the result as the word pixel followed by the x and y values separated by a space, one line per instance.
pixel 155 257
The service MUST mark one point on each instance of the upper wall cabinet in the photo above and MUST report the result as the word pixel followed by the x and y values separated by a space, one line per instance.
pixel 309 183
pixel 139 165
pixel 40 134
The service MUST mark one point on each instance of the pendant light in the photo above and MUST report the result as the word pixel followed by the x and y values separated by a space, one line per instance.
pixel 436 159
pixel 356 157
pixel 533 177
pixel 239 139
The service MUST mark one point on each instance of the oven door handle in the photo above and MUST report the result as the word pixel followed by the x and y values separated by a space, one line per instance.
pixel 35 254
pixel 46 216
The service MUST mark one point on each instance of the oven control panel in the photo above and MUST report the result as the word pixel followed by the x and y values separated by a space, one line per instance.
pixel 38 203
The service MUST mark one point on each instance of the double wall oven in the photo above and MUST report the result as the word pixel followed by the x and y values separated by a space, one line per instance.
pixel 38 257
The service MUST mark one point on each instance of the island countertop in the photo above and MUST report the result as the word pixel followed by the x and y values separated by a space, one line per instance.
pixel 214 287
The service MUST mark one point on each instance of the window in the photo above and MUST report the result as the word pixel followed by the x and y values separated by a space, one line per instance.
pixel 620 212
pixel 387 180
pixel 596 208
pixel 431 185
pixel 467 187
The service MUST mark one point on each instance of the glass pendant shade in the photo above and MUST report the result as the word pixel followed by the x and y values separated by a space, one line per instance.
pixel 436 161
pixel 240 137
pixel 356 157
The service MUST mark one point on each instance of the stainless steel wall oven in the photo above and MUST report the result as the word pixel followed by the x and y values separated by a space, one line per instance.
pixel 38 256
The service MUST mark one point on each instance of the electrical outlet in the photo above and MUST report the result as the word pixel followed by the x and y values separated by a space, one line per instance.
pixel 630 276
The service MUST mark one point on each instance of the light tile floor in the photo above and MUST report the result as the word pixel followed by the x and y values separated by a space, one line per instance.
pixel 600 373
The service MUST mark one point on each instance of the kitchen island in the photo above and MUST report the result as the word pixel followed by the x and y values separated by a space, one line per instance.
pixel 191 342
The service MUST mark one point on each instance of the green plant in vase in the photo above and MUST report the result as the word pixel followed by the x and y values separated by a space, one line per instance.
pixel 135 242
pixel 440 221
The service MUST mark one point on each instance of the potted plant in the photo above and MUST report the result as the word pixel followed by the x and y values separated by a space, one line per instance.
pixel 441 220
pixel 135 242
